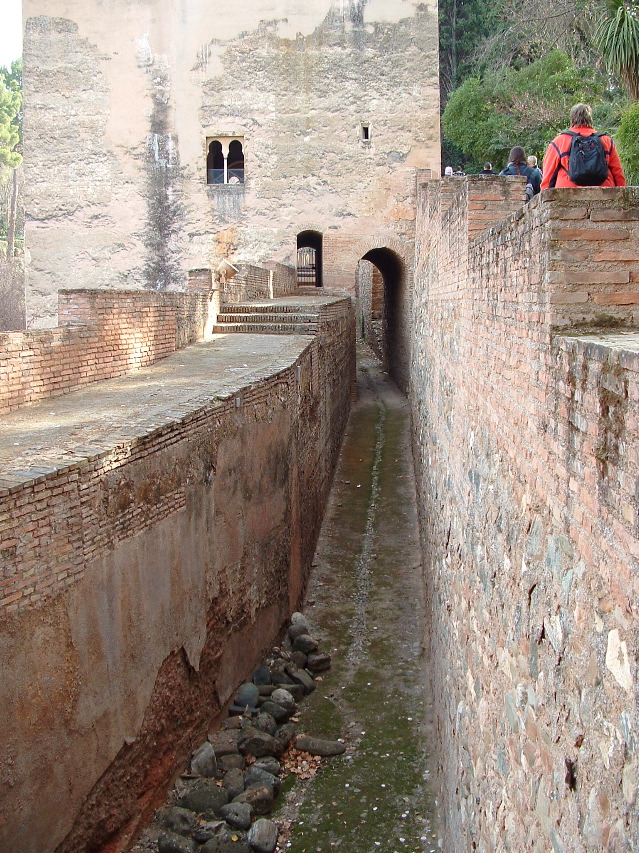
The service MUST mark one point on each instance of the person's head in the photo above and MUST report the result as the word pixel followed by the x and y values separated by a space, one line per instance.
pixel 448 171
pixel 531 160
pixel 581 115
pixel 488 167
pixel 517 155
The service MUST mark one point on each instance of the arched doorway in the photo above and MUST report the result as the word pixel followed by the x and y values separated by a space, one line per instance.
pixel 384 310
pixel 309 258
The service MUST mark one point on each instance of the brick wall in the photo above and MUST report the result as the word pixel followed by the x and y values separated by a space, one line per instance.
pixel 370 286
pixel 526 450
pixel 143 582
pixel 102 334
pixel 252 282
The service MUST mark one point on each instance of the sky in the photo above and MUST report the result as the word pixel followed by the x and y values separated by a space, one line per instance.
pixel 10 31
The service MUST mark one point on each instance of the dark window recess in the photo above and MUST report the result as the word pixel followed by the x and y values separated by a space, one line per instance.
pixel 235 163
pixel 366 133
pixel 225 170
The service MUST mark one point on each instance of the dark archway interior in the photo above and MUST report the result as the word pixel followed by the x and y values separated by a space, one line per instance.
pixel 215 163
pixel 312 240
pixel 236 162
pixel 395 335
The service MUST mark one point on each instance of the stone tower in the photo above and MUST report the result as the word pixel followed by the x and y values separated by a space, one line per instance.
pixel 164 136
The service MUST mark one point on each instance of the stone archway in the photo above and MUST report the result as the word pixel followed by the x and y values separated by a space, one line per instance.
pixel 309 257
pixel 385 310
pixel 387 263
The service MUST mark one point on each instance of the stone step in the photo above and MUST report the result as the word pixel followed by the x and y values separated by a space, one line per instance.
pixel 266 328
pixel 263 308
pixel 262 317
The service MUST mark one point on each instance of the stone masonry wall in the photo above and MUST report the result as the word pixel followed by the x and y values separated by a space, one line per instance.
pixel 102 334
pixel 524 389
pixel 147 580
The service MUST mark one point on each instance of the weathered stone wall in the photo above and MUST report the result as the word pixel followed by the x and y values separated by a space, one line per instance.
pixel 526 448
pixel 148 579
pixel 120 100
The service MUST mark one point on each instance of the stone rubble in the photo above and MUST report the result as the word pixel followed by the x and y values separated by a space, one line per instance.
pixel 221 804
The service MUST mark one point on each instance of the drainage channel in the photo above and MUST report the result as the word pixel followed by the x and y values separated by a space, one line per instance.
pixel 365 601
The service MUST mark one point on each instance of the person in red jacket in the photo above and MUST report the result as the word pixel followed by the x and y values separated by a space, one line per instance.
pixel 555 166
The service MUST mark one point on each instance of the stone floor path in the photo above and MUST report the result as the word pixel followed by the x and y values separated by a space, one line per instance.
pixel 365 602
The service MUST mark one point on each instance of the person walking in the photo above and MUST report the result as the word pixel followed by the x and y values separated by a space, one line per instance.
pixel 582 157
pixel 517 166
pixel 531 160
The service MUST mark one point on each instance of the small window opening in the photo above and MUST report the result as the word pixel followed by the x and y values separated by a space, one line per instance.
pixel 365 132
pixel 225 162
pixel 215 164
pixel 236 163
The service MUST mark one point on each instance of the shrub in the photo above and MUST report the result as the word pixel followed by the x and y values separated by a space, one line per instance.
pixel 628 143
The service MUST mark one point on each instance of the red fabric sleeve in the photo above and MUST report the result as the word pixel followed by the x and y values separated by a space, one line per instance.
pixel 551 163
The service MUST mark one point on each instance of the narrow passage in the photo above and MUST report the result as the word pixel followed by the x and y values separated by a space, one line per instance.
pixel 365 601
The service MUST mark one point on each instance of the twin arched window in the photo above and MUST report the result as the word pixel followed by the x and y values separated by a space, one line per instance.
pixel 225 161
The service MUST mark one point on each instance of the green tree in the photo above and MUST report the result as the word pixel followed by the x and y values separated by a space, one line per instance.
pixel 10 141
pixel 628 143
pixel 10 115
pixel 463 25
pixel 486 116
pixel 617 37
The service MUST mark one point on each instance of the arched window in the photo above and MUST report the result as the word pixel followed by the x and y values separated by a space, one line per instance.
pixel 225 161
pixel 236 163
pixel 215 163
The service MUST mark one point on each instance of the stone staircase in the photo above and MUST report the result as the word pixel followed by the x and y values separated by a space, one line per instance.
pixel 267 318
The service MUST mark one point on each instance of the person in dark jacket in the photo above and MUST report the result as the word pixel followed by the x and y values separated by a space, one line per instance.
pixel 488 169
pixel 517 166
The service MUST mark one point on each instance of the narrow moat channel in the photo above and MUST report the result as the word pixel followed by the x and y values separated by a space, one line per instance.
pixel 365 604
pixel 365 601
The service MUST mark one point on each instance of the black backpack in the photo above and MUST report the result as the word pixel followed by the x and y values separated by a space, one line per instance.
pixel 587 163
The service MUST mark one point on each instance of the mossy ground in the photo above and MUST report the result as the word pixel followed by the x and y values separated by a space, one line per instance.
pixel 365 603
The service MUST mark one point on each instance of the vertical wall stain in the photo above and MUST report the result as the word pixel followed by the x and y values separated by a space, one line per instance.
pixel 164 195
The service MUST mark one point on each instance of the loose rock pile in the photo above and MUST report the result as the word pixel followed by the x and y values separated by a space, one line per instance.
pixel 220 805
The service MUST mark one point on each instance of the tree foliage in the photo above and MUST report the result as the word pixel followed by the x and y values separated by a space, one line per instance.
pixel 617 37
pixel 486 116
pixel 628 143
pixel 10 115
pixel 463 25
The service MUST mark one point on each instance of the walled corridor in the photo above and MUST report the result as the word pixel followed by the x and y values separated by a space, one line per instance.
pixel 365 599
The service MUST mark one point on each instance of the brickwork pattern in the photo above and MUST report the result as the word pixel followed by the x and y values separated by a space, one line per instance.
pixel 526 452
pixel 191 533
pixel 102 334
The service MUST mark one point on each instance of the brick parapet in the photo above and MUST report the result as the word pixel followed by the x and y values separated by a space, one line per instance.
pixel 53 520
pixel 526 451
pixel 102 334
pixel 252 282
